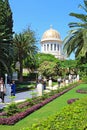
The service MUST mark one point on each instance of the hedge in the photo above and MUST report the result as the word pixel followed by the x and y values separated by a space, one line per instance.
pixel 72 117
pixel 17 117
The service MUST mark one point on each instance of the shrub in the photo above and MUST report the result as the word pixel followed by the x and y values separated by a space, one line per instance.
pixel 18 116
pixel 72 117
pixel 84 79
pixel 11 109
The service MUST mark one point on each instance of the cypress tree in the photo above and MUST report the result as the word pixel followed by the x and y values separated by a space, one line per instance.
pixel 6 35
pixel 6 22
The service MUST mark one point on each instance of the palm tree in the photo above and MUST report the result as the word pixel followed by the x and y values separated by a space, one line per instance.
pixel 25 47
pixel 76 41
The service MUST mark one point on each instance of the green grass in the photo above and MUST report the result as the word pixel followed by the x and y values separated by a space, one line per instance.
pixel 49 109
pixel 84 89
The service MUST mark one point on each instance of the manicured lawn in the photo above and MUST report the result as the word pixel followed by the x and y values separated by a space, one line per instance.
pixel 47 110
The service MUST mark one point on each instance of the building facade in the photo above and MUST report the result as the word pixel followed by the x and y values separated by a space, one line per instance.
pixel 51 43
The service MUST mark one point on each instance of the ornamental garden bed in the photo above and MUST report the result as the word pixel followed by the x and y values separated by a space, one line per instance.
pixel 70 101
pixel 27 108
pixel 71 117
pixel 82 90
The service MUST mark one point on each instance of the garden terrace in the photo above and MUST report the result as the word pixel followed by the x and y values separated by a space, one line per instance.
pixel 48 109
pixel 72 117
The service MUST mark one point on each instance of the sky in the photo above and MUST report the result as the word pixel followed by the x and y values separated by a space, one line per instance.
pixel 40 14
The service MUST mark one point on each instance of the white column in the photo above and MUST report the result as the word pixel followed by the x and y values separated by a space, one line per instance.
pixel 49 47
pixel 53 48
pixel 56 46
pixel 59 49
pixel 46 46
pixel 42 47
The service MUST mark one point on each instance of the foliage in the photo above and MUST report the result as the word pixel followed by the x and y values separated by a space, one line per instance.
pixel 6 22
pixel 41 57
pixel 47 68
pixel 12 98
pixel 25 86
pixel 50 66
pixel 70 101
pixel 11 109
pixel 82 67
pixel 84 79
pixel 46 64
pixel 18 116
pixel 76 41
pixel 44 112
pixel 6 48
pixel 82 90
pixel 71 117
pixel 25 49
pixel 66 67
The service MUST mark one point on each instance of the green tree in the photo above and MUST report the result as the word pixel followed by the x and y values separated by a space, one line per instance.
pixel 25 47
pixel 47 65
pixel 47 68
pixel 76 41
pixel 41 57
pixel 6 25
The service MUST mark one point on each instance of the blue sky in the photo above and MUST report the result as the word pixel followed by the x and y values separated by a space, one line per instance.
pixel 40 14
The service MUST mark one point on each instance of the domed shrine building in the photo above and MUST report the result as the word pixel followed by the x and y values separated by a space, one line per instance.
pixel 51 43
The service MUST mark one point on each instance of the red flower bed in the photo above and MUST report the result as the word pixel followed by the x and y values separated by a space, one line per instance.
pixel 15 118
pixel 3 114
pixel 81 91
pixel 70 101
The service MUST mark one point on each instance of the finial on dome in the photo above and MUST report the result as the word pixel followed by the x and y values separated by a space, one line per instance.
pixel 51 26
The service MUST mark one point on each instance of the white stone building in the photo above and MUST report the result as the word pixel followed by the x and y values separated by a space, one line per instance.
pixel 51 43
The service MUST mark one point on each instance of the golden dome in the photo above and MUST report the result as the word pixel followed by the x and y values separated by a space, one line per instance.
pixel 51 35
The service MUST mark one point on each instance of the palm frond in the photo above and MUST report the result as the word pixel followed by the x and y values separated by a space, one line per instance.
pixel 82 17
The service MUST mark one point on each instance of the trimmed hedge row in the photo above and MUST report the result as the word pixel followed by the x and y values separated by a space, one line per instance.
pixel 15 118
pixel 72 117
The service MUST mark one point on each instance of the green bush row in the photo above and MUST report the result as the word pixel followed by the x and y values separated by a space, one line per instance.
pixel 14 108
pixel 84 79
pixel 72 117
